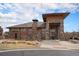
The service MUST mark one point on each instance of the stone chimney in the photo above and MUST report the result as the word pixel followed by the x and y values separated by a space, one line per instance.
pixel 34 29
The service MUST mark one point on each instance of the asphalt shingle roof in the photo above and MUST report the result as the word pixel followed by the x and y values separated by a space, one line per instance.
pixel 40 24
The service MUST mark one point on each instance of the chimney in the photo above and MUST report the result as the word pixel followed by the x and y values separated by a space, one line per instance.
pixel 34 29
pixel 35 20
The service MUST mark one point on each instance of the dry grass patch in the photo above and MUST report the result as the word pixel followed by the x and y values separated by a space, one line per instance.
pixel 12 44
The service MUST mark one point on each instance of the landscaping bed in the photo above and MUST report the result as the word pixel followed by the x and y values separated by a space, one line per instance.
pixel 14 44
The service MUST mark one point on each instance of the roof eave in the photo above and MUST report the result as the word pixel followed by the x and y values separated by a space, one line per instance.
pixel 45 15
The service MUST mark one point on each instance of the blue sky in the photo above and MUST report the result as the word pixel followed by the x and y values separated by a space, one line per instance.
pixel 13 13
pixel 71 23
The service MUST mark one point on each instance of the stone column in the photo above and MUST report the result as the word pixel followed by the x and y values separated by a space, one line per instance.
pixel 34 30
pixel 61 31
pixel 47 31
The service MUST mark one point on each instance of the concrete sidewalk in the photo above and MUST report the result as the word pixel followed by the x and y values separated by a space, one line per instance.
pixel 69 45
pixel 52 44
pixel 59 45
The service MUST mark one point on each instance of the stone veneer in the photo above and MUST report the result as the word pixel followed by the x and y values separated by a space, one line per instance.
pixel 47 32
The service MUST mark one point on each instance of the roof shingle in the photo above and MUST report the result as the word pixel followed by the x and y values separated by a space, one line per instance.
pixel 40 24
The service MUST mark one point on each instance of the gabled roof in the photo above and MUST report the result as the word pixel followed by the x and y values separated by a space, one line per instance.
pixel 54 14
pixel 40 24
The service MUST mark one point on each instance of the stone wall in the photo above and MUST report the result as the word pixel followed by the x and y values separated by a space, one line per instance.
pixel 57 20
pixel 71 35
pixel 26 33
pixel 18 33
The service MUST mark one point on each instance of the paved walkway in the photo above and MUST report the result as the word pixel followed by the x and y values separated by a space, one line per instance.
pixel 69 45
pixel 59 45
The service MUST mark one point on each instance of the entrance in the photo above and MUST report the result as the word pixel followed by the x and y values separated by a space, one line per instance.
pixel 53 30
pixel 16 36
pixel 53 34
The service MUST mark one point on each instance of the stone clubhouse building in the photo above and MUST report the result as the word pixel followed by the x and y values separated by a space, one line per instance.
pixel 52 27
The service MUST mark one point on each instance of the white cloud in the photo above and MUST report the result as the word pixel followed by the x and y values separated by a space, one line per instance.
pixel 26 12
pixel 63 7
pixel 9 15
pixel 8 18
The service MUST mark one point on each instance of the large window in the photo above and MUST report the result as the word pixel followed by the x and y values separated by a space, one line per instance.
pixel 53 25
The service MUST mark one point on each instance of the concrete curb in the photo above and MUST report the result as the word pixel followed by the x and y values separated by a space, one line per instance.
pixel 33 49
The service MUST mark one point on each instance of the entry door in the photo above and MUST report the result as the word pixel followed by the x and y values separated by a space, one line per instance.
pixel 53 27
pixel 53 34
pixel 16 36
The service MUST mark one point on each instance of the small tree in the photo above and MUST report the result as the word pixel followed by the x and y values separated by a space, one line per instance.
pixel 1 32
